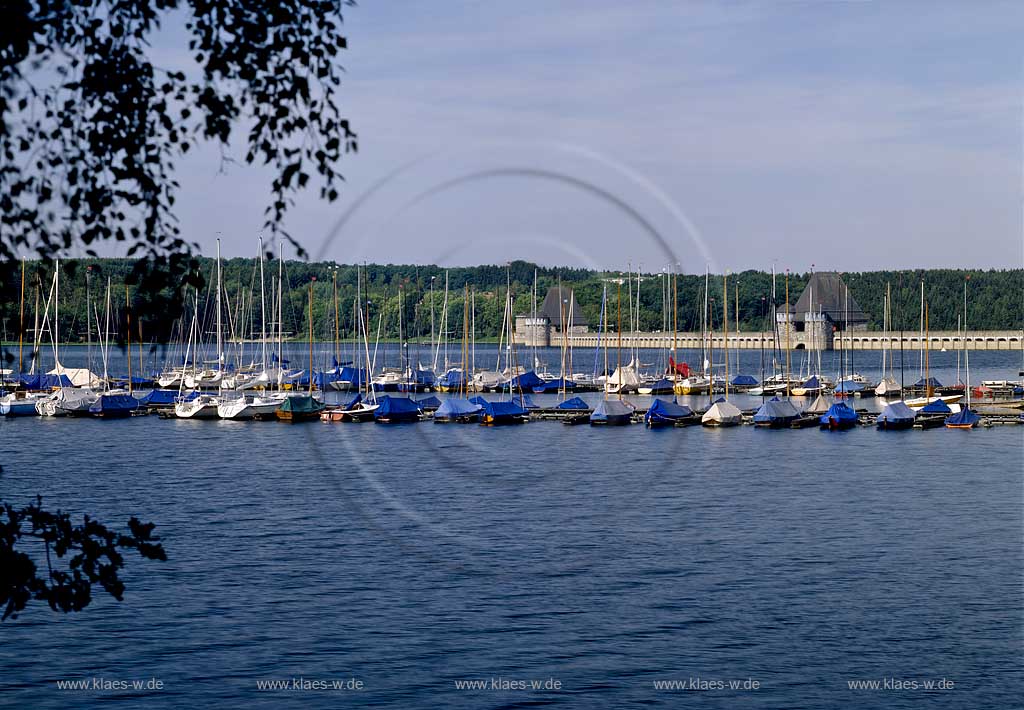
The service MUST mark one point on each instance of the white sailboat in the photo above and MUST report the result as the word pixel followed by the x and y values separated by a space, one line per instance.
pixel 66 401
pixel 723 413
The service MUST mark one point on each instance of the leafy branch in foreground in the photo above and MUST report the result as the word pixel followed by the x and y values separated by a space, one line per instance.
pixel 91 124
pixel 93 554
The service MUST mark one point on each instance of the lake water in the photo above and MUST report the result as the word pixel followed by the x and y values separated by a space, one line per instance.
pixel 414 558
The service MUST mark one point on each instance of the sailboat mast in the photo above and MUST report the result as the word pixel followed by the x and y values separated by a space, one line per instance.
pixel 725 328
pixel 106 335
pixel 220 335
pixel 736 290
pixel 618 305
pixel 789 329
pixel 21 321
pixel 280 314
pixel 88 324
pixel 675 320
pixel 337 322
pixel 263 313
pixel 56 317
pixel 927 352
pixel 967 356
pixel 128 334
pixel 312 281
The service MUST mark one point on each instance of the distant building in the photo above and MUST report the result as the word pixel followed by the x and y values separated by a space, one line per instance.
pixel 560 311
pixel 825 307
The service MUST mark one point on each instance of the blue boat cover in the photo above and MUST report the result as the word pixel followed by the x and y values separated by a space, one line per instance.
pixel 357 376
pixel 478 400
pixel 897 412
pixel 664 385
pixel 457 407
pixel 744 381
pixel 849 386
pixel 776 410
pixel 44 382
pixel 452 378
pixel 429 402
pixel 812 383
pixel 554 386
pixel 157 398
pixel 525 382
pixel 503 409
pixel 840 412
pixel 422 377
pixel 574 404
pixel 396 407
pixel 662 409
pixel 936 407
pixel 351 404
pixel 611 409
pixel 114 403
pixel 965 417
pixel 930 382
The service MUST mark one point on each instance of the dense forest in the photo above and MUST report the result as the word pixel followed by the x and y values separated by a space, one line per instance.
pixel 996 298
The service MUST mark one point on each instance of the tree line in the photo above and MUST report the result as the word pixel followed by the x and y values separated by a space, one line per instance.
pixel 415 297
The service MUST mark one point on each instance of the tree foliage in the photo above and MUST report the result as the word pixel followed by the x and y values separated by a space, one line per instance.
pixel 91 125
pixel 78 557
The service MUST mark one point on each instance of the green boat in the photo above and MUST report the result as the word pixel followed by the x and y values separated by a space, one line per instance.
pixel 299 409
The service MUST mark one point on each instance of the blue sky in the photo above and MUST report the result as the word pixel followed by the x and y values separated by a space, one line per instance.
pixel 849 135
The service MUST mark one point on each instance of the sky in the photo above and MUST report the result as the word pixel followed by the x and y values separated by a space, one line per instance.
pixel 611 135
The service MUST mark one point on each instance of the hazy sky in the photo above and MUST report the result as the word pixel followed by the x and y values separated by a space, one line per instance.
pixel 850 135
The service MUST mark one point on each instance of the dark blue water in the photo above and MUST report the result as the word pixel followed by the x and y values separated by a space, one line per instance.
pixel 413 558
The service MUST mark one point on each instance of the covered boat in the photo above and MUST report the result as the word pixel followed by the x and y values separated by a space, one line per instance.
pixel 457 409
pixel 966 418
pixel 623 380
pixel 44 382
pixel 417 381
pixel 809 387
pixel 776 413
pixel 665 413
pixel 662 386
pixel 927 382
pixel 888 387
pixel 164 399
pixel 722 413
pixel 300 408
pixel 574 404
pixel 349 379
pixel 452 380
pixel 820 405
pixel 936 406
pixel 429 404
pixel 66 402
pixel 848 387
pixel 743 383
pixel 524 382
pixel 395 410
pixel 896 416
pixel 495 413
pixel 612 412
pixel 839 416
pixel 114 406
pixel 555 386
